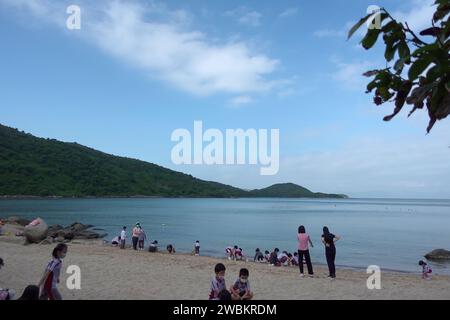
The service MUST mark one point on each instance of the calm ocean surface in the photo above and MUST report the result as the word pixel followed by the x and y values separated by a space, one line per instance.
pixel 393 234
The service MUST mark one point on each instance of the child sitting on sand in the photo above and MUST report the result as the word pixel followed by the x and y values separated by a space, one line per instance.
pixel 241 288
pixel 273 259
pixel 115 241
pixel 267 256
pixel 229 252
pixel 259 257
pixel 153 246
pixel 170 249
pixel 238 255
pixel 217 282
pixel 283 258
pixel 291 260
pixel 51 276
pixel 426 270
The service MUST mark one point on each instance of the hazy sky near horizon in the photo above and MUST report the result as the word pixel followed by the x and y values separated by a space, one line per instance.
pixel 137 70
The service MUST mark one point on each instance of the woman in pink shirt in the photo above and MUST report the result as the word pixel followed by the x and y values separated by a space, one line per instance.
pixel 303 251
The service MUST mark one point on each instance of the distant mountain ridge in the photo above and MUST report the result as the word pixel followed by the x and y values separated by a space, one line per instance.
pixel 32 166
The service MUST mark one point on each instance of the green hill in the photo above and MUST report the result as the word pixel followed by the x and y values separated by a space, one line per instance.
pixel 31 166
pixel 290 190
pixel 46 167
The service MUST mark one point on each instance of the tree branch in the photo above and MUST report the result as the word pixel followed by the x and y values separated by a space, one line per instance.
pixel 416 38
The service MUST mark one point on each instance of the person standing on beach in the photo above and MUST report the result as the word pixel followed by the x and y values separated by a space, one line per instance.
pixel 123 237
pixel 135 235
pixel 328 239
pixel 50 278
pixel 142 238
pixel 197 248
pixel 303 251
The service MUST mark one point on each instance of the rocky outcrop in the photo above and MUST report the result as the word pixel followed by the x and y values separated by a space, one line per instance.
pixel 36 231
pixel 438 254
pixel 74 231
pixel 20 221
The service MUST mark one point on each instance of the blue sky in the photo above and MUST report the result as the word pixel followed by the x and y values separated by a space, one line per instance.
pixel 137 70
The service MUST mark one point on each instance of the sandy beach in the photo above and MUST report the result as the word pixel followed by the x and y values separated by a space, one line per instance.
pixel 110 273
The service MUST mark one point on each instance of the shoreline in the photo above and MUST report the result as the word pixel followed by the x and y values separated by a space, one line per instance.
pixel 155 197
pixel 109 273
pixel 13 228
pixel 22 197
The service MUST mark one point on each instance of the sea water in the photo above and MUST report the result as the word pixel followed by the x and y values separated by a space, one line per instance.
pixel 391 233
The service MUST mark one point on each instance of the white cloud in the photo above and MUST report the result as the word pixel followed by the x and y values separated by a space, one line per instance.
pixel 339 33
pixel 350 75
pixel 418 16
pixel 161 44
pixel 245 16
pixel 241 100
pixel 288 12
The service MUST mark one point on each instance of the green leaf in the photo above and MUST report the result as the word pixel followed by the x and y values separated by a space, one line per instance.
pixel 358 25
pixel 390 51
pixel 390 26
pixel 370 38
pixel 403 50
pixel 438 94
pixel 433 73
pixel 429 47
pixel 418 67
pixel 372 85
pixel 399 65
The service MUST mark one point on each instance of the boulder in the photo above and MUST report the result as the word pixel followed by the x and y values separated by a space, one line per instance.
pixel 69 235
pixel 60 239
pixel 87 235
pixel 55 227
pixel 77 227
pixel 35 233
pixel 17 220
pixel 46 241
pixel 53 230
pixel 438 254
pixel 64 233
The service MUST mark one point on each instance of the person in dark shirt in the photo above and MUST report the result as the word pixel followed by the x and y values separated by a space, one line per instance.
pixel 259 257
pixel 328 239
pixel 273 259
